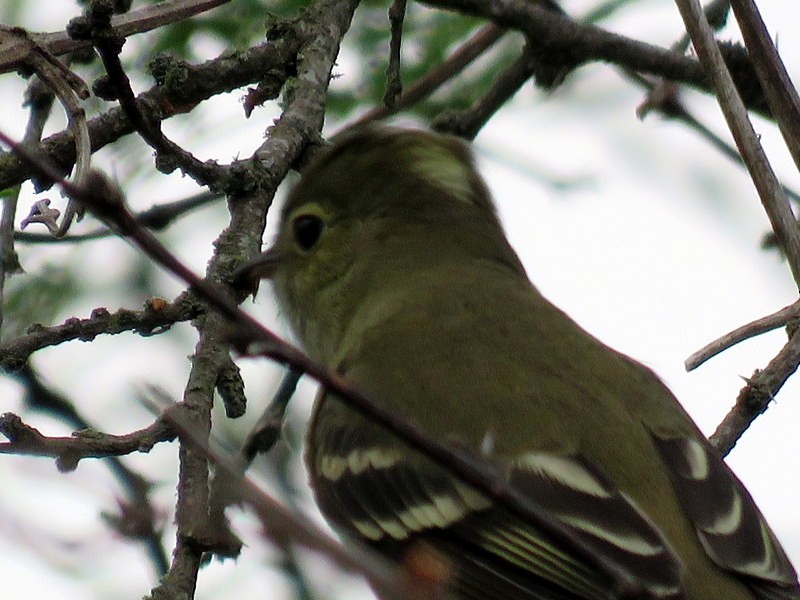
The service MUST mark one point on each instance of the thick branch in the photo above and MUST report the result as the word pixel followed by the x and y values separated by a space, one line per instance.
pixel 582 42
pixel 755 397
pixel 321 29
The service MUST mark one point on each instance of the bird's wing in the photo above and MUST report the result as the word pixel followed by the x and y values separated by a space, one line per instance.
pixel 730 527
pixel 385 492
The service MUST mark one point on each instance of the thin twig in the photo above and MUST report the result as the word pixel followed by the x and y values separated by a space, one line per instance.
pixel 782 97
pixel 70 90
pixel 469 122
pixel 716 12
pixel 582 42
pixel 68 451
pixel 664 98
pixel 157 317
pixel 40 101
pixel 166 99
pixel 757 327
pixel 772 197
pixel 109 46
pixel 266 431
pixel 157 218
pixel 138 518
pixel 604 10
pixel 762 388
pixel 260 440
pixel 483 39
pixel 19 47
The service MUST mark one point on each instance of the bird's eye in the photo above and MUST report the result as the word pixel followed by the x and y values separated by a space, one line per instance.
pixel 307 229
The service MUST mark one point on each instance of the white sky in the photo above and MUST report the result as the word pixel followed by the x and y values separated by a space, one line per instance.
pixel 656 253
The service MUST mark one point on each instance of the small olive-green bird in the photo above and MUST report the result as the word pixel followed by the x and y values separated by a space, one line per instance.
pixel 392 269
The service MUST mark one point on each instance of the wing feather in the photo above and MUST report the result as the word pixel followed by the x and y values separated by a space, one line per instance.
pixel 728 523
pixel 391 496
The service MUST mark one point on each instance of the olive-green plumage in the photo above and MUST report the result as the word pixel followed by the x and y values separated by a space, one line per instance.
pixel 392 269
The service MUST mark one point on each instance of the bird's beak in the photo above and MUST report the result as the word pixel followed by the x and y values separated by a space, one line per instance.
pixel 260 267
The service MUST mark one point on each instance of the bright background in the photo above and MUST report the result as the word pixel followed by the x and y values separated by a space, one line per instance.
pixel 639 230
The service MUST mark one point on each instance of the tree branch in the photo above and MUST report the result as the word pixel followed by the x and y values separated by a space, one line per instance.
pixel 583 42
pixel 180 87
pixel 137 517
pixel 154 319
pixel 775 203
pixel 157 218
pixel 755 397
pixel 19 47
pixel 777 319
pixel 287 529
pixel 781 94
pixel 68 451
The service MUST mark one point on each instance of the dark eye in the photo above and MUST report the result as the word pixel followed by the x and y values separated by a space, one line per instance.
pixel 307 229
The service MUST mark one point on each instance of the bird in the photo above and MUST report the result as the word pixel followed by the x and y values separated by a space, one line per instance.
pixel 392 269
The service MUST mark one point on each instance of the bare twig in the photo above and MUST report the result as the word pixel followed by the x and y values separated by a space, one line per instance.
pixel 154 319
pixel 583 42
pixel 138 517
pixel 469 122
pixel 755 397
pixel 757 327
pixel 157 218
pixel 716 12
pixel 68 451
pixel 781 94
pixel 485 37
pixel 40 101
pixel 260 440
pixel 109 46
pixel 164 100
pixel 769 190
pixel 182 573
pixel 761 389
pixel 230 387
pixel 664 98
pixel 268 427
pixel 603 10
pixel 19 49
pixel 69 89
